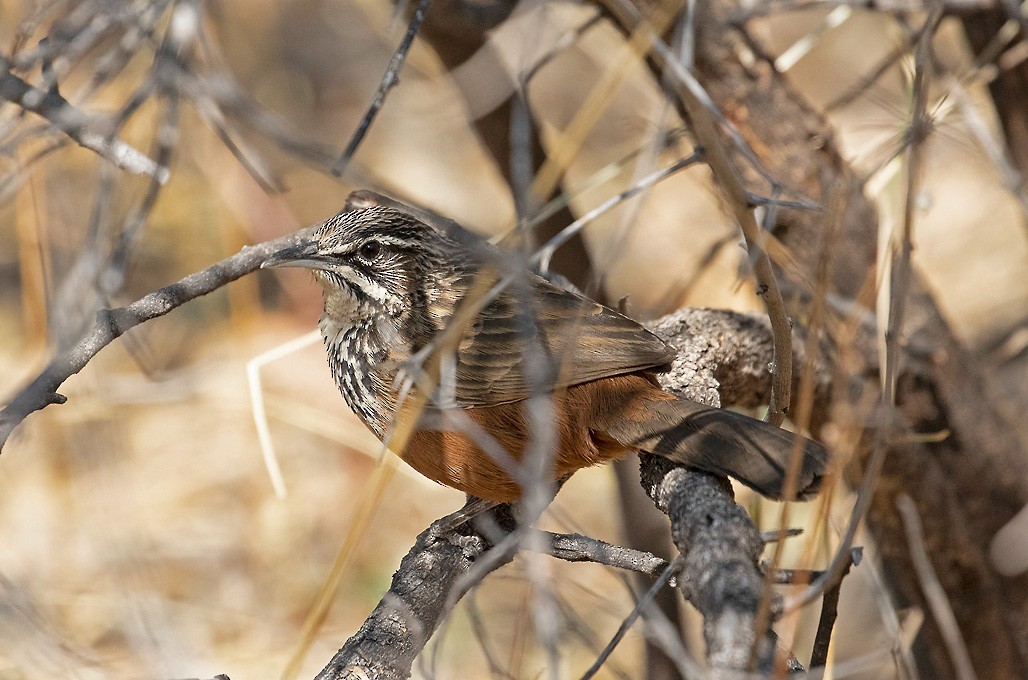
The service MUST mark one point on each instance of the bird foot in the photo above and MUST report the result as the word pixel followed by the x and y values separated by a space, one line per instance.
pixel 448 524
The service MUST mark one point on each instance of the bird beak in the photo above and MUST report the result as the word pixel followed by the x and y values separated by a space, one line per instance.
pixel 301 255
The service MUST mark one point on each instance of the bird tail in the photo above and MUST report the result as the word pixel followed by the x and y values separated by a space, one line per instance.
pixel 719 441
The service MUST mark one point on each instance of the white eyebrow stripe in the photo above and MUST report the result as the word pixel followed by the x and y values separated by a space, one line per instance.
pixel 358 280
pixel 387 240
pixel 383 239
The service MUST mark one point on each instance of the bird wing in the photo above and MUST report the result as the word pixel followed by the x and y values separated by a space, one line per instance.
pixel 536 337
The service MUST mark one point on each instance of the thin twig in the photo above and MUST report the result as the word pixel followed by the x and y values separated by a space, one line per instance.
pixel 789 577
pixel 779 534
pixel 826 621
pixel 75 124
pixel 579 548
pixel 473 304
pixel 589 112
pixel 899 283
pixel 807 383
pixel 645 600
pixel 868 80
pixel 698 104
pixel 112 323
pixel 390 79
pixel 671 65
pixel 934 593
pixel 479 630
pixel 545 253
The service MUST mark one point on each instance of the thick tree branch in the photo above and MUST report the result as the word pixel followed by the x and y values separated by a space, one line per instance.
pixel 722 358
pixel 430 580
pixel 721 547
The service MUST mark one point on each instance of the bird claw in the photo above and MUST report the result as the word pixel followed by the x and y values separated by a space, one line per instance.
pixel 444 526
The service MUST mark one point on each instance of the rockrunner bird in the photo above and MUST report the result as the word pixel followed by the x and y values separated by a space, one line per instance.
pixel 399 292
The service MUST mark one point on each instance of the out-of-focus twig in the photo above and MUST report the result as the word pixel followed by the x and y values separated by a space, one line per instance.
pixel 544 254
pixel 389 80
pixel 933 591
pixel 643 602
pixel 899 284
pixel 829 612
pixel 699 105
pixel 76 124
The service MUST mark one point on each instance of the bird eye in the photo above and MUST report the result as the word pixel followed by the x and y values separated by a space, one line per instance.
pixel 370 250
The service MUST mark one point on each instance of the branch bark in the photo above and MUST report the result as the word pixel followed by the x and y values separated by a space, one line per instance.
pixel 721 547
pixel 112 323
pixel 81 128
pixel 430 580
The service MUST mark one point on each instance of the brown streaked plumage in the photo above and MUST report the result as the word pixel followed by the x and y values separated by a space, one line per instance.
pixel 395 287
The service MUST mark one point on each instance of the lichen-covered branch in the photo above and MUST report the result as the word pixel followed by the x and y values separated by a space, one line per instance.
pixel 720 547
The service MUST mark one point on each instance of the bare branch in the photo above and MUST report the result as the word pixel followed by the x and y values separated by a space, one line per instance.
pixel 390 79
pixel 698 104
pixel 579 548
pixel 720 543
pixel 112 323
pixel 900 275
pixel 829 612
pixel 644 602
pixel 430 580
pixel 933 591
pixel 720 546
pixel 76 124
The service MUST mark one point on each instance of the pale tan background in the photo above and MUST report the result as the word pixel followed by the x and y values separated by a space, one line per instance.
pixel 139 534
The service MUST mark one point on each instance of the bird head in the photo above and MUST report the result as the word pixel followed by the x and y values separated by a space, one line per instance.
pixel 370 262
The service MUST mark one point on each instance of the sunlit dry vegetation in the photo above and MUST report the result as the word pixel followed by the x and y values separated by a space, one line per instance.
pixel 146 530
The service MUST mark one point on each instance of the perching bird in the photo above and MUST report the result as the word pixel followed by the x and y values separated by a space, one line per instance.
pixel 394 287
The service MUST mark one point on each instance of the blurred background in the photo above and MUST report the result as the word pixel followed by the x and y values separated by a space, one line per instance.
pixel 140 535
